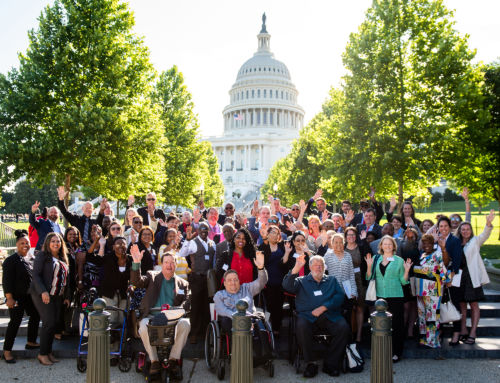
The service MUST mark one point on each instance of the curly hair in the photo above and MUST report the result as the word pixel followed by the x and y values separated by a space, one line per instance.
pixel 249 250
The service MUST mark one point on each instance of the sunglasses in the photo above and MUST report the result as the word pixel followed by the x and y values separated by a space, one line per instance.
pixel 115 229
pixel 455 219
pixel 136 221
pixel 150 199
pixel 294 209
pixel 272 221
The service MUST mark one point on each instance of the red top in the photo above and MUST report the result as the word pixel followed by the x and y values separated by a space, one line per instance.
pixel 243 266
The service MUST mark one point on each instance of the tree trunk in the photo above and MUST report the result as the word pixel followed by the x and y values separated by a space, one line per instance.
pixel 67 186
pixel 400 197
pixel 479 209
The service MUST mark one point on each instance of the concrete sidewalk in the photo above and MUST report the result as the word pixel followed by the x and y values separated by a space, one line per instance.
pixel 409 370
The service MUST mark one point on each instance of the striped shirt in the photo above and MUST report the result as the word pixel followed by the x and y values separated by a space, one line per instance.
pixel 341 269
pixel 60 277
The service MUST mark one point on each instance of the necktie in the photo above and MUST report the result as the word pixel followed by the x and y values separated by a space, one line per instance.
pixel 86 230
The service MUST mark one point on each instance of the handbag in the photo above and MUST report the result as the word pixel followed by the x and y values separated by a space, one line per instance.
pixel 211 282
pixel 448 312
pixel 371 292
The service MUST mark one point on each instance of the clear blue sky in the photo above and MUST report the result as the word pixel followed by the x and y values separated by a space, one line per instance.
pixel 210 40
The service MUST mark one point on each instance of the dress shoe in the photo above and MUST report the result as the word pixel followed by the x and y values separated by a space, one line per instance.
pixel 12 360
pixel 330 371
pixel 155 368
pixel 311 370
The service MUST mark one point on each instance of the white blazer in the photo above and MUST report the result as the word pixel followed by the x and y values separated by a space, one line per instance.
pixel 475 264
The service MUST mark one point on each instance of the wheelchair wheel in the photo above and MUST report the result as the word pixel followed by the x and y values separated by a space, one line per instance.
pixel 124 364
pixel 221 370
pixel 165 376
pixel 212 346
pixel 81 364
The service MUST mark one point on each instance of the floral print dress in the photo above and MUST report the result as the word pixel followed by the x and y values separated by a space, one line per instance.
pixel 430 276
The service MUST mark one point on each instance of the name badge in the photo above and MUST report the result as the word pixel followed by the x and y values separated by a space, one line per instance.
pixel 180 291
pixel 207 257
pixel 390 258
pixel 317 293
pixel 296 255
pixel 225 267
pixel 357 270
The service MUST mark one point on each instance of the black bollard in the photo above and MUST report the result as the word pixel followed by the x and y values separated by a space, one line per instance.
pixel 381 358
pixel 98 350
pixel 242 350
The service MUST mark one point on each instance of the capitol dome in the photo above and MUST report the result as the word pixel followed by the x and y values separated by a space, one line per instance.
pixel 260 123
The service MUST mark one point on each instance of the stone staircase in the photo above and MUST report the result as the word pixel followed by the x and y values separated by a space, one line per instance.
pixel 487 344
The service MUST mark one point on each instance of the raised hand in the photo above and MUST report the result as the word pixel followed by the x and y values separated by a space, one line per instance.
pixel 196 215
pixel 434 232
pixel 324 216
pixel 324 237
pixel 133 237
pixel 318 194
pixel 490 217
pixel 255 208
pixel 409 221
pixel 290 226
pixel 372 192
pixel 263 231
pixel 283 210
pixel 102 206
pixel 362 235
pixel 442 243
pixel 61 193
pixel 408 264
pixel 259 259
pixel 288 247
pixel 136 254
pixel 34 207
pixel 369 261
pixel 349 216
pixel 102 241
pixel 302 205
pixel 299 264
pixel 393 204
pixel 270 198
pixel 465 193
pixel 162 222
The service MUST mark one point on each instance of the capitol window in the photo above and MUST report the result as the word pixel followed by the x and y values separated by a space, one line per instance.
pixel 271 118
pixel 247 94
pixel 276 94
pixel 253 93
pixel 282 95
pixel 270 94
pixel 258 93
pixel 265 93
pixel 265 117
pixel 258 118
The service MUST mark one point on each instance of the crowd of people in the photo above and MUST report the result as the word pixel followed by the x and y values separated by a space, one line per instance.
pixel 324 263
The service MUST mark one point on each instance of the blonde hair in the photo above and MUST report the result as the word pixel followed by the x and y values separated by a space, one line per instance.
pixel 384 238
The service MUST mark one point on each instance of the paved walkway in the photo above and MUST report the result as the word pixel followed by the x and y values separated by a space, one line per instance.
pixel 409 370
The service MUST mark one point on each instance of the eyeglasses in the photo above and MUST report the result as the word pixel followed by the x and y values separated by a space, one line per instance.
pixel 115 229
pixel 295 209
pixel 150 199
pixel 272 221
pixel 136 221
pixel 455 219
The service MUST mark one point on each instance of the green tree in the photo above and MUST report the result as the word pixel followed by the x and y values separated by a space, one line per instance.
pixel 187 160
pixel 25 193
pixel 478 148
pixel 410 87
pixel 78 107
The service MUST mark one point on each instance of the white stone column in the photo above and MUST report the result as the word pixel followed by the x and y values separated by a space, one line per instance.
pixel 225 158
pixel 261 156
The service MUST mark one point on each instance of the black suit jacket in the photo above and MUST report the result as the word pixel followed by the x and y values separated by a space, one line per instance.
pixel 377 229
pixel 43 227
pixel 43 274
pixel 79 220
pixel 143 212
pixel 16 277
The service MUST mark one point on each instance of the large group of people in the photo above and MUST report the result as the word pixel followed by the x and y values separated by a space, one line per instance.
pixel 322 262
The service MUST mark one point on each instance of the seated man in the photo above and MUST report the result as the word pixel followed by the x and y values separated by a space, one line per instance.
pixel 225 300
pixel 318 302
pixel 162 287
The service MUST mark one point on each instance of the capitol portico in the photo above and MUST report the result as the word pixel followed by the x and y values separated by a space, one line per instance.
pixel 260 123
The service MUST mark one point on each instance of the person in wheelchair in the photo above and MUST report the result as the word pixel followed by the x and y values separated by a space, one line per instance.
pixel 318 302
pixel 162 288
pixel 225 300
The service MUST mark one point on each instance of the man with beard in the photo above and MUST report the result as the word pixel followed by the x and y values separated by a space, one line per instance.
pixel 318 302
pixel 44 227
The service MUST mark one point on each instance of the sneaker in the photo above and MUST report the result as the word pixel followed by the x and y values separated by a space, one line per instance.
pixel 311 370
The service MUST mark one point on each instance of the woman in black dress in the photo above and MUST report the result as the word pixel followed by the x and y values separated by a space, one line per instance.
pixel 16 280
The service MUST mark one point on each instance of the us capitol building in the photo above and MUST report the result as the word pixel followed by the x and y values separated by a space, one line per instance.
pixel 260 123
